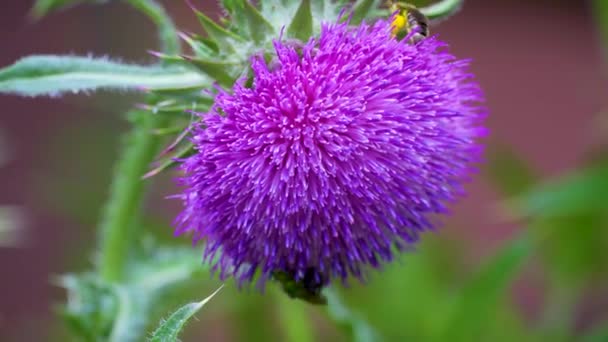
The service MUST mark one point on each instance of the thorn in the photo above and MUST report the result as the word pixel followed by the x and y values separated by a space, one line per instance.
pixel 191 5
pixel 176 142
pixel 143 89
pixel 184 36
pixel 157 54
pixel 151 173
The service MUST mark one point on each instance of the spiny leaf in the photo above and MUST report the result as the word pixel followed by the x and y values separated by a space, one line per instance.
pixel 259 27
pixel 54 75
pixel 158 268
pixel 132 316
pixel 218 70
pixel 231 6
pixel 202 47
pixel 91 306
pixel 182 153
pixel 172 326
pixel 218 33
pixel 118 312
pixel 301 24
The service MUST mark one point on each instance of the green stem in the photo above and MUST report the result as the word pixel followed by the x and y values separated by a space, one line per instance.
pixel 357 327
pixel 600 11
pixel 295 321
pixel 167 31
pixel 441 9
pixel 117 225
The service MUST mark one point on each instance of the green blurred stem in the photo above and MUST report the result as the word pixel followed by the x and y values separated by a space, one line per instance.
pixel 294 319
pixel 117 224
pixel 167 31
pixel 355 326
pixel 600 10
pixel 441 9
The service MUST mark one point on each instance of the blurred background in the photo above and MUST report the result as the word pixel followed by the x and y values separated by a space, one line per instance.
pixel 543 68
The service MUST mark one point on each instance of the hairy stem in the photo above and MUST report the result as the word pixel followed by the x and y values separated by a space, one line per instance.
pixel 442 9
pixel 295 321
pixel 118 222
pixel 166 29
pixel 358 329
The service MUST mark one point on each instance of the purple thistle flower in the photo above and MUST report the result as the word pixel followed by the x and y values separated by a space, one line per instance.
pixel 335 158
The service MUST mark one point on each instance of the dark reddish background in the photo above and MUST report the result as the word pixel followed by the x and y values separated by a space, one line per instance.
pixel 539 62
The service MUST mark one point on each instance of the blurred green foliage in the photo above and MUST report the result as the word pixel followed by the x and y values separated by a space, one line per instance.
pixel 428 295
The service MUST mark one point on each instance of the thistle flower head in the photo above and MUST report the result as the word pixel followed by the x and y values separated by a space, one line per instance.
pixel 334 158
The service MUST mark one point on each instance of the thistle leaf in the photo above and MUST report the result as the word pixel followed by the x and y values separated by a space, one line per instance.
pixel 44 7
pixel 361 10
pixel 217 33
pixel 182 153
pixel 301 24
pixel 172 326
pixel 259 27
pixel 218 70
pixel 202 47
pixel 54 75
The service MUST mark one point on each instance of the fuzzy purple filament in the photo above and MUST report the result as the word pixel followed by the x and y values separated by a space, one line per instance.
pixel 335 158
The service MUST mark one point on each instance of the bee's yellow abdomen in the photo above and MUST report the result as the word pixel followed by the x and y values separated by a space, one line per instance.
pixel 399 23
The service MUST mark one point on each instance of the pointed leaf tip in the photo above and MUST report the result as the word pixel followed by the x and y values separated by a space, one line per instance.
pixel 259 27
pixel 172 326
pixel 216 32
pixel 301 24
pixel 218 70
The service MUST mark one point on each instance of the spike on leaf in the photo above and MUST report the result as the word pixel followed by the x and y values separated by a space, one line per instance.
pixel 218 70
pixel 187 150
pixel 217 32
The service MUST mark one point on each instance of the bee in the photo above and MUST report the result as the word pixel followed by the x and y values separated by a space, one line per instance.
pixel 307 289
pixel 407 20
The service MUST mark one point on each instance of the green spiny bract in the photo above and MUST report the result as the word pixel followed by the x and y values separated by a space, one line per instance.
pixel 224 53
